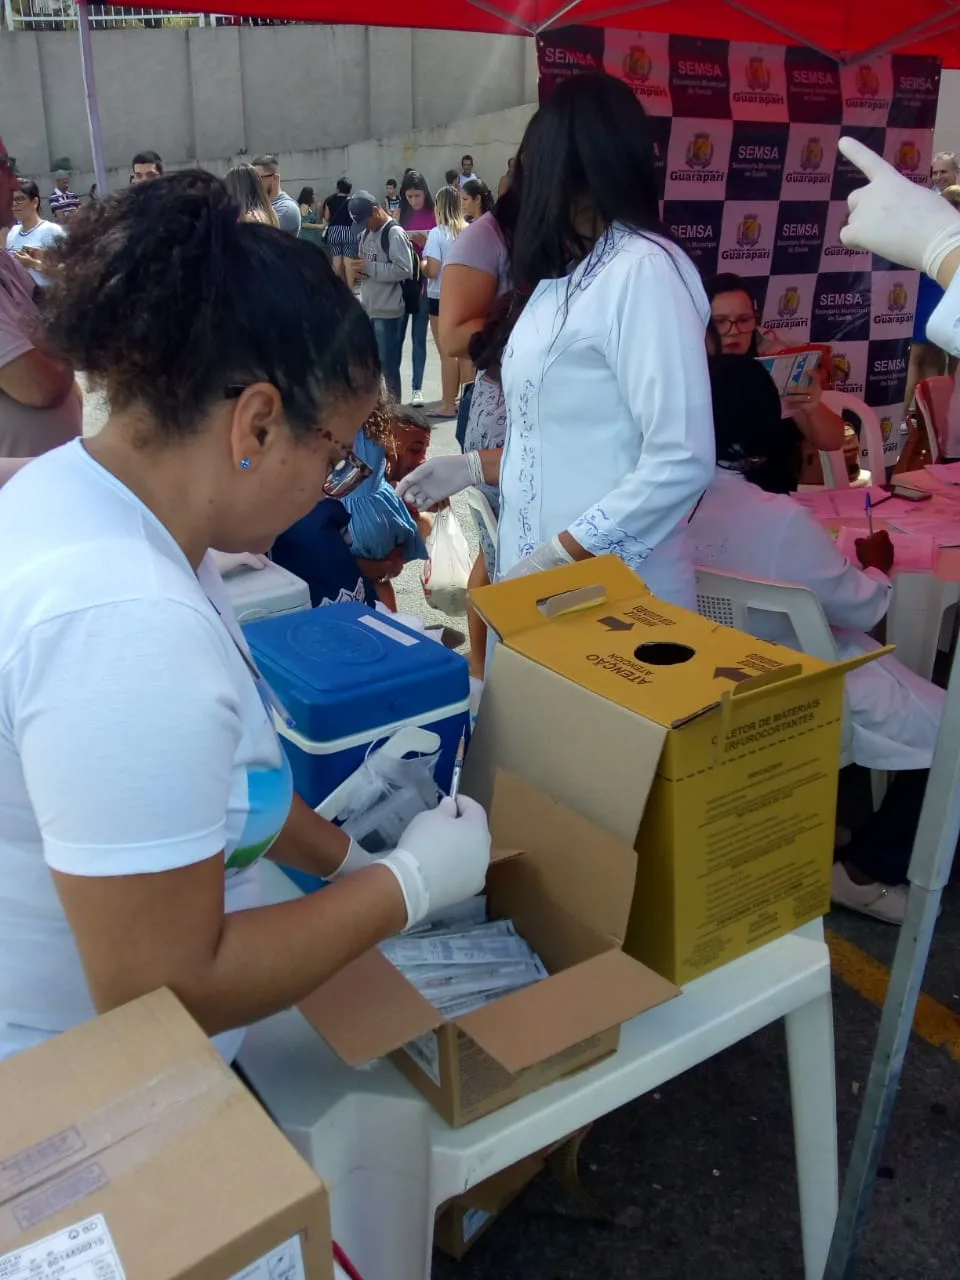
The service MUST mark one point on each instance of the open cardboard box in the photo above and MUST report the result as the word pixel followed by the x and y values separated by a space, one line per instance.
pixel 463 1220
pixel 129 1147
pixel 568 892
pixel 714 754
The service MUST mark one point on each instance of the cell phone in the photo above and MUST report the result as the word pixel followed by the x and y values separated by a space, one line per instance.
pixel 911 495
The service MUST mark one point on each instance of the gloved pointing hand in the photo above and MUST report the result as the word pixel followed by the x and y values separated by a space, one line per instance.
pixel 440 478
pixel 895 218
pixel 442 857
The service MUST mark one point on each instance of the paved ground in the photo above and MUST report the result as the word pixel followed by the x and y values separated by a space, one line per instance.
pixel 698 1180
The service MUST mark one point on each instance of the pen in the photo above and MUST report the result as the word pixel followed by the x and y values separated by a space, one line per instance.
pixel 869 509
pixel 458 766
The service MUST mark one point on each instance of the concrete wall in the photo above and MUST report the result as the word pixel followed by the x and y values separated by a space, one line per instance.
pixel 331 100
pixel 946 136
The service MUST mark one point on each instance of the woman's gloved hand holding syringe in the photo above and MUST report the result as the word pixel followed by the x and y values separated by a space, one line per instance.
pixel 442 857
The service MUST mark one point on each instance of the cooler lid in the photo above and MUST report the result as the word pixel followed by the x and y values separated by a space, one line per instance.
pixel 343 668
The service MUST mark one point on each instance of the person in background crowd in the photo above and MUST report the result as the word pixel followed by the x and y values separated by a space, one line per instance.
pixel 343 240
pixel 944 170
pixel 94 193
pixel 384 534
pixel 466 170
pixel 306 203
pixel 40 405
pixel 504 184
pixel 738 528
pixel 33 236
pixel 244 184
pixel 806 419
pixel 436 252
pixel 927 360
pixel 392 205
pixel 417 218
pixel 386 258
pixel 62 201
pixel 288 213
pixel 145 167
pixel 476 272
pixel 141 777
pixel 452 179
pixel 475 199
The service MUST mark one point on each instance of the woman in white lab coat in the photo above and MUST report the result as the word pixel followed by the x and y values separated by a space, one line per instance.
pixel 609 441
pixel 738 528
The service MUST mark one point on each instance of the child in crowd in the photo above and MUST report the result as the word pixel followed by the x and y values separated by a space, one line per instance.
pixel 319 550
pixel 385 534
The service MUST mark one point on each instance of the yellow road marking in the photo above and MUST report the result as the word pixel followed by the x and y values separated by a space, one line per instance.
pixel 934 1022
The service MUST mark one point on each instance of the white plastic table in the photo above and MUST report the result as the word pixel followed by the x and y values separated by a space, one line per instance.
pixel 390 1161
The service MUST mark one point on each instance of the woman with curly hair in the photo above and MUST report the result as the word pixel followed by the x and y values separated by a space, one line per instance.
pixel 141 777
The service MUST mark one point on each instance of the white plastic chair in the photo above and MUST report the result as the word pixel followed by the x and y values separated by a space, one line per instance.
pixel 477 502
pixel 873 468
pixel 727 599
pixel 933 404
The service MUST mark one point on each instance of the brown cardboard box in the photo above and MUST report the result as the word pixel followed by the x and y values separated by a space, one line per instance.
pixel 715 754
pixel 462 1221
pixel 127 1141
pixel 568 893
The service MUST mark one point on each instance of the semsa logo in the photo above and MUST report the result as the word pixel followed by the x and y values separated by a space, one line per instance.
pixel 689 231
pixel 812 78
pixel 897 365
pixel 749 231
pixel 757 76
pixel 907 158
pixel 637 69
pixel 699 70
pixel 896 312
pixel 843 378
pixel 811 160
pixel 849 299
pixel 570 58
pixel 788 310
pixel 916 84
pixel 866 95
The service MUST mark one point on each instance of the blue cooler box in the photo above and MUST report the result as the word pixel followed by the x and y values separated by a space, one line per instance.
pixel 350 677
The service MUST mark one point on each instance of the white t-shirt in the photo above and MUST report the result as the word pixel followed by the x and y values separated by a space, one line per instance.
pixel 133 738
pixel 43 236
pixel 440 240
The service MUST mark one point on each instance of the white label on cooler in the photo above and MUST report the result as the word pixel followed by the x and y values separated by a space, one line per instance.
pixel 285 1262
pixel 398 637
pixel 84 1251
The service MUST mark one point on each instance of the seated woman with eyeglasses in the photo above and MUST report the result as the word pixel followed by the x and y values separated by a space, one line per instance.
pixel 806 420
pixel 141 777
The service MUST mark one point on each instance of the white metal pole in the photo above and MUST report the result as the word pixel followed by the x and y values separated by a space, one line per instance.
pixel 90 94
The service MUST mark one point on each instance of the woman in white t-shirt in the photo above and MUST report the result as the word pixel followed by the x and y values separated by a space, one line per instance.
pixel 141 779
pixel 436 252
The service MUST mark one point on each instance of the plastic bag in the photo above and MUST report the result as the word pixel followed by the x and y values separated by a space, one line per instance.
pixel 381 798
pixel 445 572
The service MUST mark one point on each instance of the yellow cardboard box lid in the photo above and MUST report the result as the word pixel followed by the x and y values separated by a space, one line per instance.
pixel 596 623
pixel 584 879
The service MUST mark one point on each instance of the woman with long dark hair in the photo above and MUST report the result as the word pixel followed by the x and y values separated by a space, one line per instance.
pixel 417 217
pixel 476 199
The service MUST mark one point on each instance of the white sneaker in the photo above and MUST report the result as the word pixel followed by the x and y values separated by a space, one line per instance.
pixel 416 397
pixel 879 901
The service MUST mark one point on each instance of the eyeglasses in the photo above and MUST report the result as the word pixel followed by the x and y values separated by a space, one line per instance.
pixel 345 474
pixel 734 324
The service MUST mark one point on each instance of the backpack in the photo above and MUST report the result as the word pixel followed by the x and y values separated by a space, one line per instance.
pixel 411 288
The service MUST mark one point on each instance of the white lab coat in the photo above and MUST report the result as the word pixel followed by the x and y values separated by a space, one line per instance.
pixel 609 419
pixel 740 529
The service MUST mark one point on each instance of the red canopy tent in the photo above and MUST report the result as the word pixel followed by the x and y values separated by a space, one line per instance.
pixel 848 30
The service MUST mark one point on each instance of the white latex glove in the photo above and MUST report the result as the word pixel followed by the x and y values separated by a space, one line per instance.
pixel 442 857
pixel 357 858
pixel 895 218
pixel 549 555
pixel 440 478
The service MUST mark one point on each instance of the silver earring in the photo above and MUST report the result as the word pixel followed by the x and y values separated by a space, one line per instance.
pixel 244 464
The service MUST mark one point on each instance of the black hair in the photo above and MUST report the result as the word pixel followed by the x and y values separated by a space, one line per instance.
pixel 390 182
pixel 29 188
pixel 168 300
pixel 746 412
pixel 589 144
pixel 344 186
pixel 486 346
pixel 474 188
pixel 468 156
pixel 413 180
pixel 305 196
pixel 451 177
pixel 730 282
pixel 147 157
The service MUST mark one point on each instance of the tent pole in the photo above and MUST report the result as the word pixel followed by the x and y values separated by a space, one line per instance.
pixel 933 854
pixel 90 95
pixel 504 17
pixel 596 17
